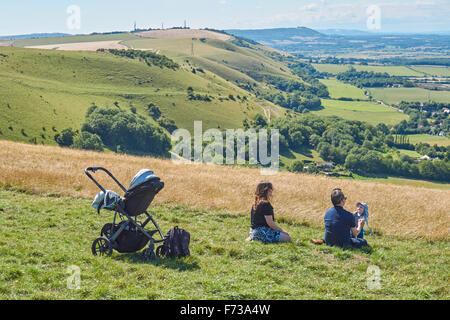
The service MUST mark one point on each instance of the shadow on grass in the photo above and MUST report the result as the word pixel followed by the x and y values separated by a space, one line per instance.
pixel 346 252
pixel 364 249
pixel 287 153
pixel 180 264
pixel 318 108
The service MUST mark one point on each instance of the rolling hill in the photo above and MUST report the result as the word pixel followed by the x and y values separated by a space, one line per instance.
pixel 52 89
pixel 48 84
pixel 44 91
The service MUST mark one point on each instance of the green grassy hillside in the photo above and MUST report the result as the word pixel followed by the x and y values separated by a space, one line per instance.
pixel 231 62
pixel 44 91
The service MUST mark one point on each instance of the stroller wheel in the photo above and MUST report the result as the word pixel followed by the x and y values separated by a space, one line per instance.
pixel 101 246
pixel 161 251
pixel 148 254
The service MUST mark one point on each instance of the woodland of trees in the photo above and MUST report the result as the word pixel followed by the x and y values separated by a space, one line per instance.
pixel 370 79
pixel 358 146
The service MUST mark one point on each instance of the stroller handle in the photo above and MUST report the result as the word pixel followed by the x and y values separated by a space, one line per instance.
pixel 94 169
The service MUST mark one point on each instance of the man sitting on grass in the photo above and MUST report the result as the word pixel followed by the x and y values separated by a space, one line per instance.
pixel 339 223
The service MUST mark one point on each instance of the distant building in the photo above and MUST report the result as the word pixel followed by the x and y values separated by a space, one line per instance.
pixel 425 157
pixel 446 110
pixel 325 165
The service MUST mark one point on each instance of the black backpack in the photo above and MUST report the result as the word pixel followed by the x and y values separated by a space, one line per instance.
pixel 176 245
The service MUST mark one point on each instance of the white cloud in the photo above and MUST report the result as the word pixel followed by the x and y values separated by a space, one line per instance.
pixel 355 12
pixel 316 13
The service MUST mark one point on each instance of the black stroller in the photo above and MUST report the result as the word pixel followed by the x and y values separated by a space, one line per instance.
pixel 129 234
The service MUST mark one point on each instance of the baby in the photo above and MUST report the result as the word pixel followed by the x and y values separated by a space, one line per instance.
pixel 362 212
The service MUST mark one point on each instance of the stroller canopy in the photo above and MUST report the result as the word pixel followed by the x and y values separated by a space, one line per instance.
pixel 141 177
pixel 143 188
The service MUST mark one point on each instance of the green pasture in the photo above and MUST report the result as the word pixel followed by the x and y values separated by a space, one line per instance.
pixel 439 71
pixel 338 89
pixel 367 111
pixel 402 71
pixel 394 95
pixel 426 138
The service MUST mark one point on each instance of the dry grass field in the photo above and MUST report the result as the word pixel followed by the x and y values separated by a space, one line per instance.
pixel 395 210
pixel 82 46
pixel 183 33
pixel 6 43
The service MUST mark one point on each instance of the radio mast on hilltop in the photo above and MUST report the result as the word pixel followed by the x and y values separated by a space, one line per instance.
pixel 134 26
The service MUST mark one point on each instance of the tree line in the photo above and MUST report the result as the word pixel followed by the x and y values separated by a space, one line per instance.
pixel 150 58
pixel 371 79
pixel 294 94
pixel 118 130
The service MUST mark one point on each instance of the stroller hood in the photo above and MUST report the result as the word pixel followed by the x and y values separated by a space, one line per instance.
pixel 142 176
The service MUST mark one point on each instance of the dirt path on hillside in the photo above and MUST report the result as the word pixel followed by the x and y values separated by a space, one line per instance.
pixel 268 110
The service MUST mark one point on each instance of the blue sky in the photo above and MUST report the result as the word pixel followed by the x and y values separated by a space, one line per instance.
pixel 22 17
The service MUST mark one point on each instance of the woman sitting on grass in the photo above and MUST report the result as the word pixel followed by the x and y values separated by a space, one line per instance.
pixel 263 226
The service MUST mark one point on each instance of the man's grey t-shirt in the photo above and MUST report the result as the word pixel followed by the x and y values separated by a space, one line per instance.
pixel 338 223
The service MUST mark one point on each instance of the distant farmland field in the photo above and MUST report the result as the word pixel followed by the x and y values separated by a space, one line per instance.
pixel 391 70
pixel 426 138
pixel 394 95
pixel 184 33
pixel 361 110
pixel 83 46
pixel 339 89
pixel 74 39
pixel 433 70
